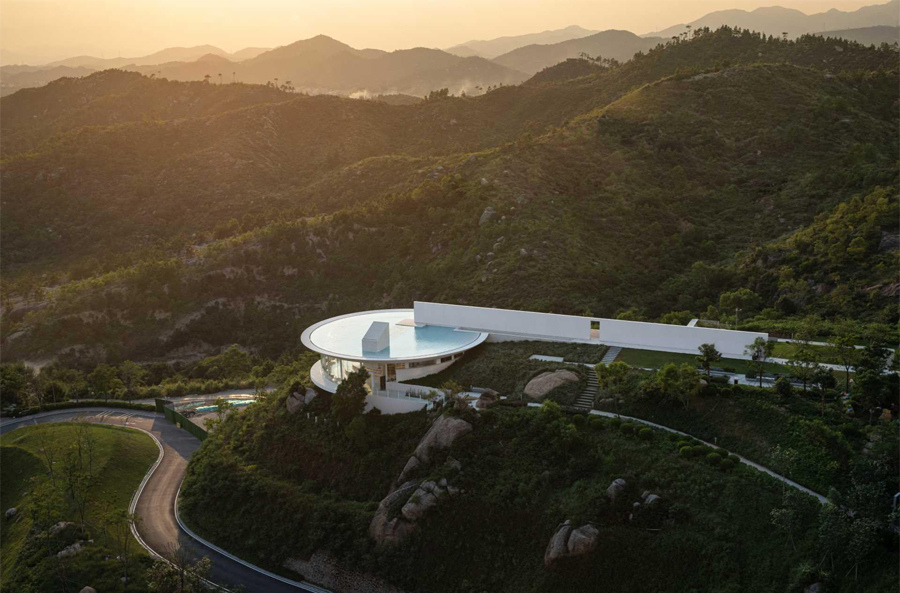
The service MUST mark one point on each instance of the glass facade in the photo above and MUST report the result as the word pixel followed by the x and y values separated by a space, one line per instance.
pixel 336 369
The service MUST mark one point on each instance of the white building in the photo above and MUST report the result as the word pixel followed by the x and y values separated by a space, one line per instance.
pixel 400 345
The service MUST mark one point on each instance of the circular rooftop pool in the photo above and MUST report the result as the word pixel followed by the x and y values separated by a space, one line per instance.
pixel 343 336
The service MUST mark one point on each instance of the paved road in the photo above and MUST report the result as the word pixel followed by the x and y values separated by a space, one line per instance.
pixel 156 505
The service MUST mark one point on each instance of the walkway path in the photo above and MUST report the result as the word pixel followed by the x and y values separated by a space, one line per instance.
pixel 585 401
pixel 611 355
pixel 744 460
pixel 155 504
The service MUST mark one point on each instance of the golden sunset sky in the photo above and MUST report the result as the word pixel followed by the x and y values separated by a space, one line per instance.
pixel 109 28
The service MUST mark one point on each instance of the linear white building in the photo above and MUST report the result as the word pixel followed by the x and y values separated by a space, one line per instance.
pixel 400 345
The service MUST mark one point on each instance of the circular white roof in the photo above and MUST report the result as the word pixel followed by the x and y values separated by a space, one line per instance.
pixel 342 337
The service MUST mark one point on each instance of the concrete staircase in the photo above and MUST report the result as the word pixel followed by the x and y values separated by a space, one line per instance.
pixel 585 401
pixel 611 354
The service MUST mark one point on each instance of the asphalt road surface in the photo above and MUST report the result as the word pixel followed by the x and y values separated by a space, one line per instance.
pixel 156 505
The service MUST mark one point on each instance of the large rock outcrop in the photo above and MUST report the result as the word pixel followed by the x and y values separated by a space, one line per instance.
pixel 400 511
pixel 441 435
pixel 546 382
pixel 387 525
pixel 567 542
pixel 616 488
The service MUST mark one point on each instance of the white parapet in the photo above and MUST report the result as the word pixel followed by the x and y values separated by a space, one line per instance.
pixel 504 321
pixel 505 324
pixel 675 338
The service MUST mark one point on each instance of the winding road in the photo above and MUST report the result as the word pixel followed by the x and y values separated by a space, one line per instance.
pixel 155 505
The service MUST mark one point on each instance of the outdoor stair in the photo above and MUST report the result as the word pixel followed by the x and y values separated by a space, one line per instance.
pixel 585 400
pixel 611 354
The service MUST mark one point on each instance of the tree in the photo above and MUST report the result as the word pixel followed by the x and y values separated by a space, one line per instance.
pixel 868 390
pixel 206 78
pixel 688 384
pixel 349 400
pixel 120 523
pixel 741 300
pixel 456 395
pixel 785 459
pixel 708 356
pixel 15 379
pixel 760 351
pixel 804 359
pixel 824 379
pixel 220 79
pixel 103 380
pixel 132 375
pixel 679 383
pixel 183 573
pixel 783 387
pixel 46 508
pixel 842 346
pixel 611 376
pixel 49 450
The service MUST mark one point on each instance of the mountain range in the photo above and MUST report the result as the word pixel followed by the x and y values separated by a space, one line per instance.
pixel 775 20
pixel 145 217
pixel 324 65
pixel 491 48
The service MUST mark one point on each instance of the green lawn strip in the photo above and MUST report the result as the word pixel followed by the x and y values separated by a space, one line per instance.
pixel 652 359
pixel 506 367
pixel 121 460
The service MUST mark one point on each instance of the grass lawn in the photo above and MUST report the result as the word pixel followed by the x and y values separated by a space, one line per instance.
pixel 506 367
pixel 121 460
pixel 651 359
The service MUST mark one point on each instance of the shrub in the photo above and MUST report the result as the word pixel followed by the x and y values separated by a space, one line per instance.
pixel 726 464
pixel 86 403
pixel 598 423
pixel 783 387
pixel 686 452
pixel 615 422
pixel 734 458
pixel 646 433
pixel 578 420
pixel 721 452
pixel 627 427
pixel 713 458
pixel 729 370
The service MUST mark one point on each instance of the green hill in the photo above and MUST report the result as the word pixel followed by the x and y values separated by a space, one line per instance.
pixel 642 187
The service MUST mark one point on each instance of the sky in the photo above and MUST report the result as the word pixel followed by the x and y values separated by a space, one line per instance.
pixel 44 30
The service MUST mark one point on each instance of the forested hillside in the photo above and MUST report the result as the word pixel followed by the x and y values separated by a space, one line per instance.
pixel 144 217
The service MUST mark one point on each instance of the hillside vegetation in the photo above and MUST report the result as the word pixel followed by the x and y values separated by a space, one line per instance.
pixel 316 485
pixel 645 187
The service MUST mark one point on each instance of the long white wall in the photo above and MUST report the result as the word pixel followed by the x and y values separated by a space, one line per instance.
pixel 501 321
pixel 506 325
pixel 675 338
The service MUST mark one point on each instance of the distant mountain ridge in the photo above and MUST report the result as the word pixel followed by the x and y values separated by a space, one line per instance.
pixel 491 48
pixel 775 20
pixel 619 45
pixel 170 54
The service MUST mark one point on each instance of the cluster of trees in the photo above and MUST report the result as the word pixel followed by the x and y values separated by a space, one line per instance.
pixel 23 386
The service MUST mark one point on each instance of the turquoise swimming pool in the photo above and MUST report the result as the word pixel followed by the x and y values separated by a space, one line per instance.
pixel 343 336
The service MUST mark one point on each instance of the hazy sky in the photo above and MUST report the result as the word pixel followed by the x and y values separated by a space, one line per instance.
pixel 52 29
